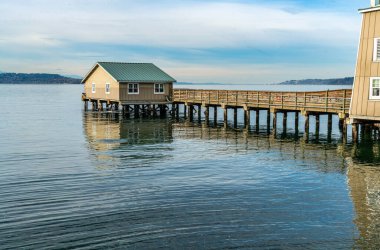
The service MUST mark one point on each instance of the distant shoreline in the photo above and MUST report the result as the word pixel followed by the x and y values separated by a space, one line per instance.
pixel 45 79
pixel 21 78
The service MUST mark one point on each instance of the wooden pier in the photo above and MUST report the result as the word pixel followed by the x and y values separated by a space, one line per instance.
pixel 271 103
pixel 317 103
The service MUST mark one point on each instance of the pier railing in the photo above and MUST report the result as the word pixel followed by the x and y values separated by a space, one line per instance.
pixel 330 101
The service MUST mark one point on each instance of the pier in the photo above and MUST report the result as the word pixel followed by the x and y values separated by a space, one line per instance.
pixel 317 103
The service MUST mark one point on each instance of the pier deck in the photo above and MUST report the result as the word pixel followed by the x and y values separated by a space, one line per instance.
pixel 330 101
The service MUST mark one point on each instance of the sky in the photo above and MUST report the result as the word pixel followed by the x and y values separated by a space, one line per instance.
pixel 201 41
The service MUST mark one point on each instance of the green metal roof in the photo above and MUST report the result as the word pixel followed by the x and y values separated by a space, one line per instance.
pixel 135 72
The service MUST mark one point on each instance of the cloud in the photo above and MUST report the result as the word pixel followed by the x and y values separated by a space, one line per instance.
pixel 187 25
pixel 202 41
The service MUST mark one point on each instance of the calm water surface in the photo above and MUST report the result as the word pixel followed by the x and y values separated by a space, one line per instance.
pixel 79 180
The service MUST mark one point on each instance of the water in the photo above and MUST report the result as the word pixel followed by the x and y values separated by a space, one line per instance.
pixel 79 180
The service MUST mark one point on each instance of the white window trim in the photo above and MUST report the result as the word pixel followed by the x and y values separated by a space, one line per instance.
pixel 159 93
pixel 376 48
pixel 371 97
pixel 93 88
pixel 109 89
pixel 134 93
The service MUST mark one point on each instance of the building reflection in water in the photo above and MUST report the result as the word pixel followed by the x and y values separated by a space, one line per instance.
pixel 363 173
pixel 111 141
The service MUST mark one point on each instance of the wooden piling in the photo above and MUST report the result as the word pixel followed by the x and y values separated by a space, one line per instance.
pixel 257 120
pixel 247 117
pixel 317 126
pixel 344 131
pixel 215 114
pixel 296 122
pixel 284 121
pixel 191 113
pixel 275 122
pixel 199 109
pixel 307 121
pixel 136 111
pixel 207 114
pixel 268 121
pixel 85 105
pixel 184 111
pixel 235 117
pixel 225 119
pixel 177 111
pixel 355 132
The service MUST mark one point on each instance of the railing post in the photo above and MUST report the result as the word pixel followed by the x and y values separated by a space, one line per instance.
pixel 344 101
pixel 327 100
pixel 270 99
pixel 209 97
pixel 258 99
pixel 282 99
pixel 217 96
pixel 304 100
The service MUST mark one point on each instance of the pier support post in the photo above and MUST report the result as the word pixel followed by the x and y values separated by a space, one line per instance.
pixel 341 121
pixel 191 113
pixel 225 119
pixel 275 122
pixel 284 122
pixel 317 126
pixel 162 110
pixel 137 111
pixel 177 111
pixel 307 121
pixel 247 117
pixel 268 121
pixel 127 111
pixel 199 109
pixel 296 122
pixel 99 106
pixel 235 117
pixel 355 132
pixel 215 115
pixel 85 105
pixel 257 120
pixel 207 114
pixel 184 111
pixel 344 131
pixel 329 127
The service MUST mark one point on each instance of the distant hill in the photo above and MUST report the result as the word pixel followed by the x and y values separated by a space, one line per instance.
pixel 336 81
pixel 18 78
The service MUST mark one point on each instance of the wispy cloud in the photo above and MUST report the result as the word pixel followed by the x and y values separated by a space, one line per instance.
pixel 206 30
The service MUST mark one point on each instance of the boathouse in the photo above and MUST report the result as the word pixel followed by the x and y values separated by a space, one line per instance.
pixel 365 102
pixel 116 83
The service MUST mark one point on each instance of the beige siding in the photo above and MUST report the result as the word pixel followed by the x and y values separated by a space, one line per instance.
pixel 100 77
pixel 361 106
pixel 146 93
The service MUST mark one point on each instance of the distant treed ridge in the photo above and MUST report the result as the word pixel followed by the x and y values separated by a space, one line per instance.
pixel 35 78
pixel 335 81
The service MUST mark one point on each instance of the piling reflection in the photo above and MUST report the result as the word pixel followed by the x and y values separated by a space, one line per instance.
pixel 364 184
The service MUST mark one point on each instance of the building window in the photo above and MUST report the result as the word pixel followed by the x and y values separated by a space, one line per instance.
pixel 93 88
pixel 376 50
pixel 108 89
pixel 375 88
pixel 133 88
pixel 159 88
